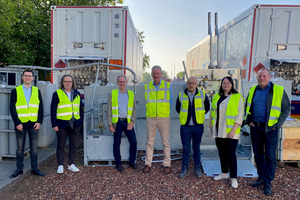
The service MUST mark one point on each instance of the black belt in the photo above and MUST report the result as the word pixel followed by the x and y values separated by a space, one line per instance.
pixel 122 119
pixel 259 124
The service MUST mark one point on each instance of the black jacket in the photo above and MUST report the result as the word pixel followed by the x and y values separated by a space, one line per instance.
pixel 13 110
pixel 285 109
pixel 191 110
pixel 64 123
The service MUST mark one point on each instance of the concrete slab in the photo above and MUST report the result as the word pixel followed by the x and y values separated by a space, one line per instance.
pixel 8 166
pixel 245 168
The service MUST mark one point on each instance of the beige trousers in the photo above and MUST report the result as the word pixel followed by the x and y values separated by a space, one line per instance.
pixel 163 125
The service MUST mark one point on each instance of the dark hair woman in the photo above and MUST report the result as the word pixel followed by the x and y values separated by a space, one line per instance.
pixel 225 122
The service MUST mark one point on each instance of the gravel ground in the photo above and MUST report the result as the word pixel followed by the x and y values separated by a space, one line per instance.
pixel 96 182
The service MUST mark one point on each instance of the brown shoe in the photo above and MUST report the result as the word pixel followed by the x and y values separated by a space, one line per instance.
pixel 146 169
pixel 167 170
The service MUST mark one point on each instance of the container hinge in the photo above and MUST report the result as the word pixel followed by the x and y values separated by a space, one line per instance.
pixel 275 17
pixel 69 17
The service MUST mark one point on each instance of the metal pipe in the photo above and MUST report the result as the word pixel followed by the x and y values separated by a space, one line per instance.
pixel 185 70
pixel 96 80
pixel 218 41
pixel 210 41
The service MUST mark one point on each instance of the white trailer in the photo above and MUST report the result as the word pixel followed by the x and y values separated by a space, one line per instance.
pixel 262 36
pixel 89 34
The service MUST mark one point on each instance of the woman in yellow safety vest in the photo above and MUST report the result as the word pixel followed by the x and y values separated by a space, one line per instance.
pixel 226 117
pixel 66 118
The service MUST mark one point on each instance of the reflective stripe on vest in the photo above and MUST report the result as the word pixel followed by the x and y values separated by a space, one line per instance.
pixel 27 112
pixel 275 106
pixel 199 107
pixel 115 108
pixel 65 108
pixel 159 98
pixel 231 111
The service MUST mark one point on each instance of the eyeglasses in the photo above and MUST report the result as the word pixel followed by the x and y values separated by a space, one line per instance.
pixel 27 76
pixel 67 81
pixel 121 81
pixel 192 83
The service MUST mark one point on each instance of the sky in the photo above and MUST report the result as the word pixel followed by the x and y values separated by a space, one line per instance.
pixel 172 27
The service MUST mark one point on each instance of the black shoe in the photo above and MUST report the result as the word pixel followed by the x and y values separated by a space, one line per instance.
pixel 258 182
pixel 133 165
pixel 37 172
pixel 267 189
pixel 183 173
pixel 198 172
pixel 16 173
pixel 119 168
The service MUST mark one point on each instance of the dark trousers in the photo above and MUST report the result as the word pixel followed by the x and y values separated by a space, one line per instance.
pixel 122 126
pixel 227 148
pixel 264 149
pixel 191 134
pixel 33 141
pixel 61 142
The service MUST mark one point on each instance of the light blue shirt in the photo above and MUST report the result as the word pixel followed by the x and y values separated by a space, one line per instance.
pixel 171 92
pixel 27 93
pixel 191 97
pixel 123 104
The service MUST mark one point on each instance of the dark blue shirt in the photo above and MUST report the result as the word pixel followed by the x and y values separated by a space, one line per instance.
pixel 259 104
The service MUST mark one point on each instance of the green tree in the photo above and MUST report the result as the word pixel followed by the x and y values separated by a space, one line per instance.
pixel 146 58
pixel 146 61
pixel 181 74
pixel 164 74
pixel 25 29
pixel 146 77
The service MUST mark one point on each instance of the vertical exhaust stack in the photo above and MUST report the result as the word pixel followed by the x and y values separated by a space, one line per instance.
pixel 218 43
pixel 210 66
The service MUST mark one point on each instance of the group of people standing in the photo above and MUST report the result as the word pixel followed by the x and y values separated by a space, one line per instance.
pixel 267 107
pixel 26 108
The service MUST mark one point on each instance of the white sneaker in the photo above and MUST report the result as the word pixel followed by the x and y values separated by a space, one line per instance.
pixel 73 168
pixel 234 183
pixel 221 176
pixel 60 169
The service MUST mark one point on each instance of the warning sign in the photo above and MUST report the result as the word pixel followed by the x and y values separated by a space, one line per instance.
pixel 258 67
pixel 60 64
pixel 244 61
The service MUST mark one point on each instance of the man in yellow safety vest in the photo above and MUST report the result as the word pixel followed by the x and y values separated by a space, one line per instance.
pixel 121 115
pixel 158 95
pixel 26 108
pixel 267 108
pixel 191 104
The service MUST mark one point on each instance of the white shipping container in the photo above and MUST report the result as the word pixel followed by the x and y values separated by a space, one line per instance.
pixel 262 36
pixel 88 34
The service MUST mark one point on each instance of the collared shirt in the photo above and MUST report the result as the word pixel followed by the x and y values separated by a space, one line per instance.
pixel 171 92
pixel 191 97
pixel 259 102
pixel 123 104
pixel 27 93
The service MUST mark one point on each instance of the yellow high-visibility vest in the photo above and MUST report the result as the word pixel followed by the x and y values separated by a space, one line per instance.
pixel 115 105
pixel 199 107
pixel 65 108
pixel 158 101
pixel 275 106
pixel 27 112
pixel 231 111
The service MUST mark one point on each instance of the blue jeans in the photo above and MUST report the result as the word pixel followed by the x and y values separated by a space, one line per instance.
pixel 188 134
pixel 122 126
pixel 264 149
pixel 33 141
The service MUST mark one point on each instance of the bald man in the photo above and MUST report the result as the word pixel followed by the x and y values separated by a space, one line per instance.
pixel 192 104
